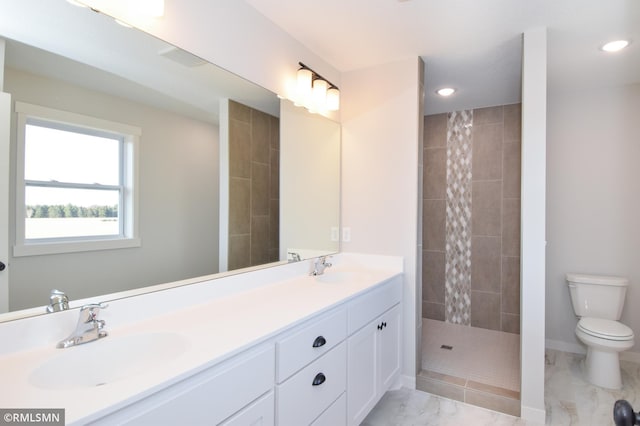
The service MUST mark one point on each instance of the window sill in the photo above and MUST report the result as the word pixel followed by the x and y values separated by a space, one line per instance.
pixel 37 249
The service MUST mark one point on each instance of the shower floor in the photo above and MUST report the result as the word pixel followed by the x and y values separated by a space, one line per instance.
pixel 481 368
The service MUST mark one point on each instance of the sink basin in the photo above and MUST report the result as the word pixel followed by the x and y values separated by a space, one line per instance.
pixel 341 276
pixel 107 360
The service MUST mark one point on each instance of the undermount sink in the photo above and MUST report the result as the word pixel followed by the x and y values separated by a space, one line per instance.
pixel 340 276
pixel 107 360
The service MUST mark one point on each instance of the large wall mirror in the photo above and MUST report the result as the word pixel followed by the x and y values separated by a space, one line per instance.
pixel 227 176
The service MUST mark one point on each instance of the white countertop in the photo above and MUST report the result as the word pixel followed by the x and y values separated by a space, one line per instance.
pixel 213 331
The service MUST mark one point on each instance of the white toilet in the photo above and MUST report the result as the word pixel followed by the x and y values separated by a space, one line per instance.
pixel 598 301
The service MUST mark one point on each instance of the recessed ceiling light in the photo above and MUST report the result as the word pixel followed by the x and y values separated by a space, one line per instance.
pixel 614 46
pixel 446 91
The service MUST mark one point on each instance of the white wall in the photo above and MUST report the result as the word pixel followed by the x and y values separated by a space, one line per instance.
pixel 178 203
pixel 309 181
pixel 593 199
pixel 381 149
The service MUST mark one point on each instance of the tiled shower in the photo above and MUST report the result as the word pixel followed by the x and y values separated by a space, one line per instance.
pixel 471 257
pixel 471 222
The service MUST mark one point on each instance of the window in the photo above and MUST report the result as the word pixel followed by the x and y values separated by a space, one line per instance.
pixel 75 182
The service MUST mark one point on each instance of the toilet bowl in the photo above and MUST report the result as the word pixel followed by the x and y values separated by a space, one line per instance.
pixel 605 339
pixel 598 300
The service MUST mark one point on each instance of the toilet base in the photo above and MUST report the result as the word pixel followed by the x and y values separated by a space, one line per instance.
pixel 603 368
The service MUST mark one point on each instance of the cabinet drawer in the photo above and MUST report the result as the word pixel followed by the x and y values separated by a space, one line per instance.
pixel 336 415
pixel 368 306
pixel 259 413
pixel 299 401
pixel 297 349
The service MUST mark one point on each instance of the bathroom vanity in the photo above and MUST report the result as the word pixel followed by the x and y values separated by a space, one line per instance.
pixel 275 346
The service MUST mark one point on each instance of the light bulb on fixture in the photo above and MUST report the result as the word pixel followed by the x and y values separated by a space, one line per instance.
pixel 320 87
pixel 152 8
pixel 76 3
pixel 333 99
pixel 304 78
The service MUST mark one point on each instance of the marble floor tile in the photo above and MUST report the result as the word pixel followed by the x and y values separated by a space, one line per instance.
pixel 569 400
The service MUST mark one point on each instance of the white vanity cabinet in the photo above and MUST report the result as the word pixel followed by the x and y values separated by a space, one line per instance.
pixel 238 391
pixel 373 351
pixel 329 370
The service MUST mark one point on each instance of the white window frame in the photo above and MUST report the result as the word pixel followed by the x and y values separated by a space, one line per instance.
pixel 129 236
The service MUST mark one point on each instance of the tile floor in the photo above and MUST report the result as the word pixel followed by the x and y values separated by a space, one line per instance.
pixel 478 366
pixel 569 400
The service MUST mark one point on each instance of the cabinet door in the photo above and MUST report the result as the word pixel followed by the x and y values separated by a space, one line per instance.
pixel 362 373
pixel 389 347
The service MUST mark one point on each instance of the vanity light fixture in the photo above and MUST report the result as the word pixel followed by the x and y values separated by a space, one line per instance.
pixel 615 46
pixel 315 92
pixel 446 91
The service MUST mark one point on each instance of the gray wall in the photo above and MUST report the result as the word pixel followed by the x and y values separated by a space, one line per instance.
pixel 593 199
pixel 178 205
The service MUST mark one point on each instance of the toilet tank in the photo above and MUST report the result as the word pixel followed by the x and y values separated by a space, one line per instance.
pixel 597 296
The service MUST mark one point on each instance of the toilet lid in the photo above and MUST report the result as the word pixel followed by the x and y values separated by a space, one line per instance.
pixel 605 329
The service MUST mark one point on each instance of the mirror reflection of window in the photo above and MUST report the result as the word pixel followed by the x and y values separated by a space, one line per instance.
pixel 73 182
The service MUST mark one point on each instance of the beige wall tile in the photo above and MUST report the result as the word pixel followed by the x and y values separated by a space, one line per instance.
pixel 239 206
pixel 259 240
pixel 487 151
pixel 435 130
pixel 511 323
pixel 490 115
pixel 511 170
pixel 486 208
pixel 512 123
pixel 275 132
pixel 435 173
pixel 437 387
pixel 239 112
pixel 493 402
pixel 485 265
pixel 274 224
pixel 485 310
pixel 511 227
pixel 433 265
pixel 239 149
pixel 511 285
pixel 239 251
pixel 433 311
pixel 260 194
pixel 274 170
pixel 260 137
pixel 433 224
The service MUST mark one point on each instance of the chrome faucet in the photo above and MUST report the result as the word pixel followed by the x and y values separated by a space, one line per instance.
pixel 89 327
pixel 318 265
pixel 295 257
pixel 58 301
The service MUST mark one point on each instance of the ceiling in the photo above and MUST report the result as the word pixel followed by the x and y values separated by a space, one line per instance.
pixel 472 45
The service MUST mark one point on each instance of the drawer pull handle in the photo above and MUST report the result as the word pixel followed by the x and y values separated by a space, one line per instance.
pixel 384 324
pixel 379 326
pixel 319 379
pixel 320 341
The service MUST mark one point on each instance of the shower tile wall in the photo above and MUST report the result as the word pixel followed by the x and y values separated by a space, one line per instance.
pixel 471 223
pixel 253 186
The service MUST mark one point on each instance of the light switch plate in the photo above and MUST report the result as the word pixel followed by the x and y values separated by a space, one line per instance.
pixel 346 234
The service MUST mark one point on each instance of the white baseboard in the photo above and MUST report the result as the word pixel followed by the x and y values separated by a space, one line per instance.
pixel 559 345
pixel 408 382
pixel 576 348
pixel 534 415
